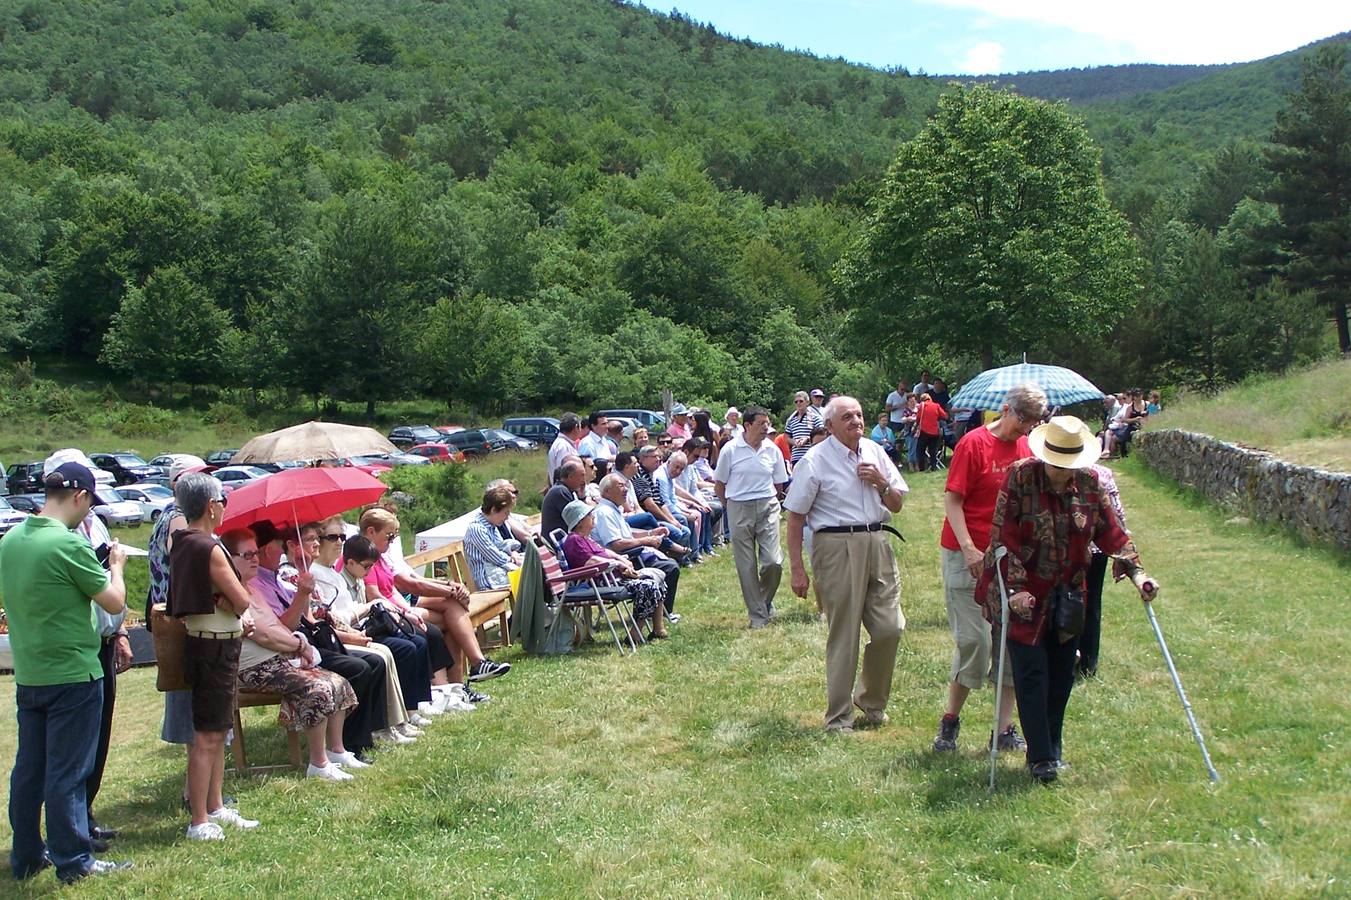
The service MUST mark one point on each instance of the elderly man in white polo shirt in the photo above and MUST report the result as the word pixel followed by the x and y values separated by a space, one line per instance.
pixel 746 480
pixel 845 489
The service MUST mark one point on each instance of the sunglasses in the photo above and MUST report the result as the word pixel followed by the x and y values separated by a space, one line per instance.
pixel 223 501
pixel 248 554
pixel 392 534
pixel 331 538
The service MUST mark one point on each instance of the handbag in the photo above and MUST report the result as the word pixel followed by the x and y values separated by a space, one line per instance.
pixel 382 622
pixel 1067 612
pixel 322 636
pixel 170 636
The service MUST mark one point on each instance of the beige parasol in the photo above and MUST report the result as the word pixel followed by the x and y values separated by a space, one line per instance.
pixel 313 441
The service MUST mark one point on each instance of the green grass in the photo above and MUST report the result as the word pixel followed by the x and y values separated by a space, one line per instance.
pixel 698 768
pixel 1303 416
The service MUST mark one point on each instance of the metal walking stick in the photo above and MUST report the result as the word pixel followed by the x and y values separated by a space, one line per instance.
pixel 999 554
pixel 1186 704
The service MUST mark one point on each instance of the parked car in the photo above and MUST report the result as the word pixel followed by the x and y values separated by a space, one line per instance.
pixel 220 457
pixel 393 459
pixel 649 419
pixel 114 509
pixel 374 469
pixel 168 462
pixel 450 429
pixel 28 503
pixel 408 435
pixel 26 477
pixel 475 442
pixel 9 516
pixel 512 442
pixel 437 453
pixel 238 476
pixel 127 467
pixel 153 499
pixel 540 429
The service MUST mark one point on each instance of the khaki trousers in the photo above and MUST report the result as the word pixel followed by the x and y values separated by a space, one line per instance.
pixel 395 714
pixel 755 548
pixel 856 574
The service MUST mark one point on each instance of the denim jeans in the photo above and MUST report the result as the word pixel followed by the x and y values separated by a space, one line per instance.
pixel 680 535
pixel 58 736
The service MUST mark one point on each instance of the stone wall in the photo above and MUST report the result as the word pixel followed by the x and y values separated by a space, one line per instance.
pixel 1314 503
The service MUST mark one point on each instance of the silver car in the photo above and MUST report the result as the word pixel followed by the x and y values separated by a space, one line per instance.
pixel 114 509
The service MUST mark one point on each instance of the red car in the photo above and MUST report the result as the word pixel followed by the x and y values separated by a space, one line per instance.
pixel 437 453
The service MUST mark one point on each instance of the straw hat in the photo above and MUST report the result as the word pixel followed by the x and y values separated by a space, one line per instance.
pixel 1066 442
pixel 574 513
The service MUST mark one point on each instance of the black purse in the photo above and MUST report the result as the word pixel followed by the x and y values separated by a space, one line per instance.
pixel 323 636
pixel 1067 611
pixel 381 622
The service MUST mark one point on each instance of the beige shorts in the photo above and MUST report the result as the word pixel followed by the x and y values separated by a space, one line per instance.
pixel 972 636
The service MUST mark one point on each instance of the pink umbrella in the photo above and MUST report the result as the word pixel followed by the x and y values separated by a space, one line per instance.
pixel 301 495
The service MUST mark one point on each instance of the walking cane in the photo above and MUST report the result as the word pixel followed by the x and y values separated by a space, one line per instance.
pixel 1186 704
pixel 999 554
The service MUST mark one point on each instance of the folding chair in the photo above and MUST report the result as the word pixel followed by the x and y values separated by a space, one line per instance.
pixel 583 587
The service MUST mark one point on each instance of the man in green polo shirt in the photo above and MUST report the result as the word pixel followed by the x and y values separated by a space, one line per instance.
pixel 48 574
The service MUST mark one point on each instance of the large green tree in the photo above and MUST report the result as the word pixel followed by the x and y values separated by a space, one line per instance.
pixel 991 233
pixel 1311 159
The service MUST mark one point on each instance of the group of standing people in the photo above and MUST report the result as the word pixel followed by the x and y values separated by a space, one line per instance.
pixel 1024 496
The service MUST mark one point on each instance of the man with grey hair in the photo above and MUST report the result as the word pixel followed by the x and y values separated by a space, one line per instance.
pixel 979 467
pixel 845 489
pixel 614 533
pixel 569 482
pixel 748 480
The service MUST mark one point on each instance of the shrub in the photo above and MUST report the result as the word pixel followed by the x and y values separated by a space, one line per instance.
pixel 438 493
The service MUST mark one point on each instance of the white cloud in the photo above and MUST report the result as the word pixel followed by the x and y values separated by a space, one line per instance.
pixel 1181 31
pixel 985 58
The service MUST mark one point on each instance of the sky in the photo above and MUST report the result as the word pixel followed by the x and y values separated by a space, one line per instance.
pixel 978 37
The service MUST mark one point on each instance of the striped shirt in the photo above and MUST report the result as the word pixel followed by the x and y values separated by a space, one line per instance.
pixel 799 427
pixel 488 553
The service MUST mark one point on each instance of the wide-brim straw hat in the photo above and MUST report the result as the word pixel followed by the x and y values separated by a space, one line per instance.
pixel 1065 441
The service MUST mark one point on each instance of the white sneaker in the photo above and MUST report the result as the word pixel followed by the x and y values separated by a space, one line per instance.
pixel 207 831
pixel 329 772
pixel 227 816
pixel 441 701
pixel 417 720
pixel 409 730
pixel 347 759
pixel 393 736
pixel 459 704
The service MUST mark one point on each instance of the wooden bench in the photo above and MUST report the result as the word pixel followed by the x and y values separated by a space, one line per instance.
pixel 448 563
pixel 250 699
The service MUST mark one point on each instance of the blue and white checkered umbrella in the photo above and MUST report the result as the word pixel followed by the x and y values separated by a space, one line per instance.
pixel 1062 386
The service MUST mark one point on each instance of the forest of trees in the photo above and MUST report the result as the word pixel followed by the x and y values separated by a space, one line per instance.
pixel 542 202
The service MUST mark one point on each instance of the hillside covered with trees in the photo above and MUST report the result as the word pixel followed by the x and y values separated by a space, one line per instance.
pixel 499 204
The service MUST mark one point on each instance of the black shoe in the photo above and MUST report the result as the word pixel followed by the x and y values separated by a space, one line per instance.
pixel 1044 771
pixel 1009 739
pixel 653 636
pixel 474 697
pixel 99 867
pixel 486 670
pixel 46 863
pixel 103 834
pixel 948 729
pixel 98 845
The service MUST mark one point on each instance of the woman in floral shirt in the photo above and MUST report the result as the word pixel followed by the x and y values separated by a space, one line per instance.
pixel 1051 511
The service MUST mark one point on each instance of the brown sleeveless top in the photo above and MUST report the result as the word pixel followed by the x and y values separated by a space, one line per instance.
pixel 191 592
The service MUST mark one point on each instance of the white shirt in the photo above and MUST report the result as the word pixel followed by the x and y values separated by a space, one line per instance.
pixel 897 402
pixel 826 487
pixel 596 446
pixel 610 524
pixel 748 473
pixel 559 450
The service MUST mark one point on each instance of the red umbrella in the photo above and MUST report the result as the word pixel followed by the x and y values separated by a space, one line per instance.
pixel 301 495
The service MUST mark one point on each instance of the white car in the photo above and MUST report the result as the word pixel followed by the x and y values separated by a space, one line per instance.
pixel 114 509
pixel 238 476
pixel 170 461
pixel 9 516
pixel 153 499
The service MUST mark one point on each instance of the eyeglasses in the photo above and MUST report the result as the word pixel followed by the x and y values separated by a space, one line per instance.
pixel 248 554
pixel 222 500
pixel 331 538
pixel 392 534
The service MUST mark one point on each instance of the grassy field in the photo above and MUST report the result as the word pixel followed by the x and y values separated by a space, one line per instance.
pixel 1303 416
pixel 698 767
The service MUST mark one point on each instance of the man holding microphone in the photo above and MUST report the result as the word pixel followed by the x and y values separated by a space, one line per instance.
pixel 846 489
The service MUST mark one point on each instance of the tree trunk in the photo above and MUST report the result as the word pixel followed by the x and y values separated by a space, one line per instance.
pixel 370 410
pixel 1343 333
pixel 986 357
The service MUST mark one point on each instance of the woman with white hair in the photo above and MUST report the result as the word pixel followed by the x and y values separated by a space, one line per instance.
pixel 1050 512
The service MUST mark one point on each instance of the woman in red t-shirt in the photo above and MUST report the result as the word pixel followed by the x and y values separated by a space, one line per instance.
pixel 930 441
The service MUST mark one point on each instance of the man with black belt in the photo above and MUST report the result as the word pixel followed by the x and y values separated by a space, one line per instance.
pixel 845 489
